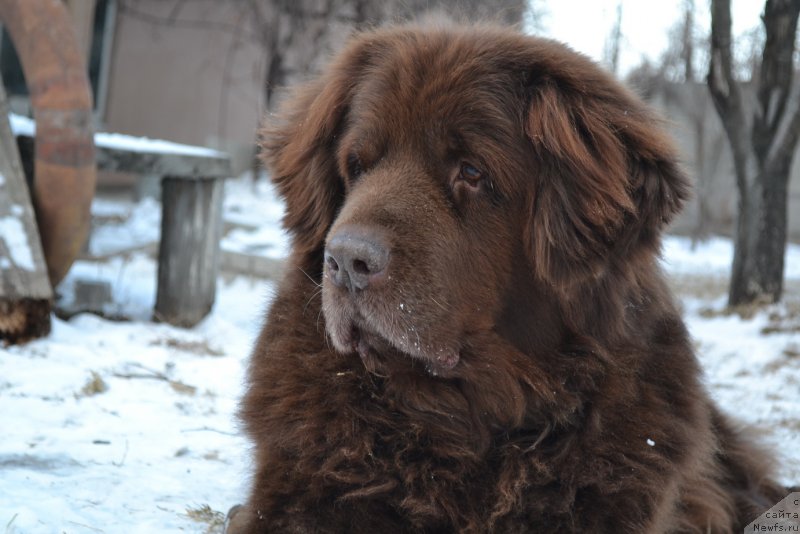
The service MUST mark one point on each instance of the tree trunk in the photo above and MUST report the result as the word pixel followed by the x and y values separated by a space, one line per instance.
pixel 744 285
pixel 760 248
pixel 762 145
pixel 700 230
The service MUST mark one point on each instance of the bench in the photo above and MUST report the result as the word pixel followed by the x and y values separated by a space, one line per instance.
pixel 192 187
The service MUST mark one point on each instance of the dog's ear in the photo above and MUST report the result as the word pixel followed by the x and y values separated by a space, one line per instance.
pixel 298 147
pixel 608 180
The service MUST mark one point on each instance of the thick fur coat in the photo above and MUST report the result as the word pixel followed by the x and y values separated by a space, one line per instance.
pixel 473 333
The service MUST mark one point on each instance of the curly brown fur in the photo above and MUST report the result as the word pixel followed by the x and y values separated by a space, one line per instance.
pixel 517 364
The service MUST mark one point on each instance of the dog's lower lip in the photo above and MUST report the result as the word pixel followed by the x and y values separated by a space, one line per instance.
pixel 448 360
pixel 358 343
pixel 361 342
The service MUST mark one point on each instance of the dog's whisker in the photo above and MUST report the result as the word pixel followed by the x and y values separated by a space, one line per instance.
pixel 318 284
pixel 327 339
pixel 319 320
pixel 438 303
pixel 314 295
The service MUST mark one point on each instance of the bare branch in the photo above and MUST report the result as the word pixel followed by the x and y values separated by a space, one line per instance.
pixel 176 9
pixel 775 80
pixel 724 87
pixel 613 43
pixel 687 40
pixel 171 21
pixel 787 136
pixel 725 91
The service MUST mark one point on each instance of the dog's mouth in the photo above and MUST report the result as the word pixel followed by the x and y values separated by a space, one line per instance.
pixel 379 351
pixel 385 324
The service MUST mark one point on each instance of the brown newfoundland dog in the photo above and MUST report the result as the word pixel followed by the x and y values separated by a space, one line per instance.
pixel 473 333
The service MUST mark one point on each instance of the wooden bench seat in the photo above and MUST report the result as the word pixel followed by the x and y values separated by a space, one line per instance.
pixel 192 186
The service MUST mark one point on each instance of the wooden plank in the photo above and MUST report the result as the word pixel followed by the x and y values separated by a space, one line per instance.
pixel 188 257
pixel 163 164
pixel 113 156
pixel 249 265
pixel 25 292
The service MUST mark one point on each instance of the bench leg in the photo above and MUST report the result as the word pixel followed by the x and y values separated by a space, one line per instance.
pixel 188 256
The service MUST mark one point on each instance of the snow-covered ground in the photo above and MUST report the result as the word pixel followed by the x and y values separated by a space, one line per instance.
pixel 126 427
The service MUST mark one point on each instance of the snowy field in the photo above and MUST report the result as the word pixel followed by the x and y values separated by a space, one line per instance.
pixel 128 426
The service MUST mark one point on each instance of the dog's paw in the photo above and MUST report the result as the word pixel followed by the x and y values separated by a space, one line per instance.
pixel 237 521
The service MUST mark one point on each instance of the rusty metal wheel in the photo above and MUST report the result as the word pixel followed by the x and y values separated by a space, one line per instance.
pixel 64 165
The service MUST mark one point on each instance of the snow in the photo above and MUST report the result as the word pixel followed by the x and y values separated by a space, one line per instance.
pixel 713 256
pixel 159 441
pixel 14 239
pixel 145 144
pixel 257 212
pixel 22 125
pixel 132 225
pixel 25 126
pixel 129 426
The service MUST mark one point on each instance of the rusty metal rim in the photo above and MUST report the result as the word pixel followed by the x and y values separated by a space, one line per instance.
pixel 64 160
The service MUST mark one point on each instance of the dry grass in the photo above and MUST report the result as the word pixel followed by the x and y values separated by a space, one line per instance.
pixel 214 520
pixel 785 319
pixel 705 287
pixel 95 386
pixel 201 348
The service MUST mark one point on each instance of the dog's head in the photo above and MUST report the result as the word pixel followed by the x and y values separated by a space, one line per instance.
pixel 439 177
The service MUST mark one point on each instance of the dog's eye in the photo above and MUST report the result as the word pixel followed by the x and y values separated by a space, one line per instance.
pixel 354 167
pixel 470 174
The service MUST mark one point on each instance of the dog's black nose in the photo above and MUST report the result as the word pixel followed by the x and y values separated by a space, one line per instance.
pixel 355 258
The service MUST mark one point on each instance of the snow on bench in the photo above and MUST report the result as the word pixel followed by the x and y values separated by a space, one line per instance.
pixel 191 186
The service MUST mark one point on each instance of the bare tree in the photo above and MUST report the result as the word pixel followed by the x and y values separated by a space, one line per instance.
pixel 614 43
pixel 687 40
pixel 682 57
pixel 748 51
pixel 762 143
pixel 674 79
